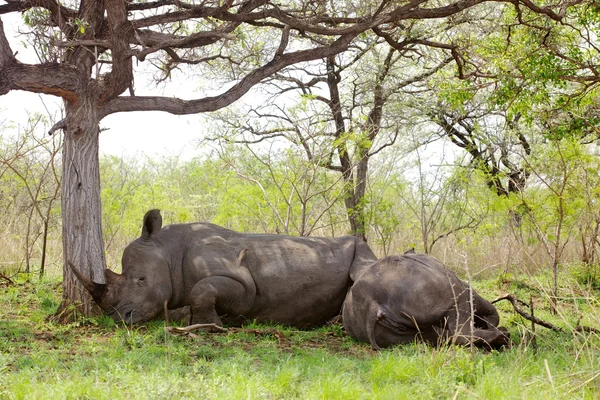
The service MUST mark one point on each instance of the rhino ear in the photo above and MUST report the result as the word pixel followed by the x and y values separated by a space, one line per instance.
pixel 152 223
pixel 410 251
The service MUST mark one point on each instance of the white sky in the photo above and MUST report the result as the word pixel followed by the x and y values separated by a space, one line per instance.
pixel 151 133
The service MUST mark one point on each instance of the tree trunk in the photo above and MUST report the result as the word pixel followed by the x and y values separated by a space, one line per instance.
pixel 81 212
pixel 351 202
pixel 362 168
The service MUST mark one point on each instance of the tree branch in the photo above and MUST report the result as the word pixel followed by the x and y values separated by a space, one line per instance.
pixel 514 301
pixel 183 107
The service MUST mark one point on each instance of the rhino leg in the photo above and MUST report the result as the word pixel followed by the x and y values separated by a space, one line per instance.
pixel 181 314
pixel 458 330
pixel 485 312
pixel 219 295
pixel 492 338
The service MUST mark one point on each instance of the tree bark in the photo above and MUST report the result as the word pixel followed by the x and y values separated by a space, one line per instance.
pixel 81 227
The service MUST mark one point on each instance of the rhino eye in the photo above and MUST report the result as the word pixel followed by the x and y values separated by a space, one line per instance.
pixel 141 281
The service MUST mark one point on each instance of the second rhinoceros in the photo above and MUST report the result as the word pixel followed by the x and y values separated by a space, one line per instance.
pixel 401 299
pixel 219 273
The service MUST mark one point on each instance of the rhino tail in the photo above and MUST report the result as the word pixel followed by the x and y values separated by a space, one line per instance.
pixel 244 276
pixel 372 318
pixel 242 257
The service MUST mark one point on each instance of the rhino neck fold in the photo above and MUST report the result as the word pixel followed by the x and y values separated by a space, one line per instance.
pixel 173 246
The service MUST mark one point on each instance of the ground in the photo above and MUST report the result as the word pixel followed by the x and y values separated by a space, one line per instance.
pixel 94 358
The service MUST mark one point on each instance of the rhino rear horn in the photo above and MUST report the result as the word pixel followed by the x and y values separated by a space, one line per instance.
pixel 97 290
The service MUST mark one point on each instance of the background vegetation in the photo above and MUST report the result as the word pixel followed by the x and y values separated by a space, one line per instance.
pixel 413 198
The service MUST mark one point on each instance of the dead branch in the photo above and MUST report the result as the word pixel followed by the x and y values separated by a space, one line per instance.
pixel 187 330
pixel 62 124
pixel 585 329
pixel 513 300
pixel 276 333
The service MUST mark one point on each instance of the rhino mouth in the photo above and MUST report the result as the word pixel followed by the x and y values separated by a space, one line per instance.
pixel 131 316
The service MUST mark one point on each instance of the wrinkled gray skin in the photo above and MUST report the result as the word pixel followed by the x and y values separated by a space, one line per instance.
pixel 228 276
pixel 413 297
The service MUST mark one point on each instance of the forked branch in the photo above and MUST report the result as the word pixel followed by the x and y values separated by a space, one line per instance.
pixel 515 302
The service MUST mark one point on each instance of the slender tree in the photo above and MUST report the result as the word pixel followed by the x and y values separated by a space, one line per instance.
pixel 346 112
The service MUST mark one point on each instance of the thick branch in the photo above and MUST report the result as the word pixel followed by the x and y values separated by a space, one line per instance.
pixel 53 79
pixel 7 59
pixel 60 14
pixel 343 26
pixel 183 107
pixel 160 41
pixel 121 74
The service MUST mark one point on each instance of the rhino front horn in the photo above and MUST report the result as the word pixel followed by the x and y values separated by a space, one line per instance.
pixel 97 290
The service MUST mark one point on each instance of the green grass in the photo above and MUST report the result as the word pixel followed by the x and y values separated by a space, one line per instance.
pixel 96 359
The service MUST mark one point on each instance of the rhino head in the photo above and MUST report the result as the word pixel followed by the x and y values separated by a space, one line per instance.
pixel 140 292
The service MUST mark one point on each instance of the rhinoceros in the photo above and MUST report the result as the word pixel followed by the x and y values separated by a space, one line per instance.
pixel 413 297
pixel 229 276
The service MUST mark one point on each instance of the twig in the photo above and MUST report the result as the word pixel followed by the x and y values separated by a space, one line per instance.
pixel 535 320
pixel 533 337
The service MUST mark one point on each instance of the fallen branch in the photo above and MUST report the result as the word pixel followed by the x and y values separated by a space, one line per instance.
pixel 513 300
pixel 584 329
pixel 187 330
pixel 276 333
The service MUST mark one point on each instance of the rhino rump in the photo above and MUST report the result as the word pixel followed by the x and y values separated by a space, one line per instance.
pixel 402 299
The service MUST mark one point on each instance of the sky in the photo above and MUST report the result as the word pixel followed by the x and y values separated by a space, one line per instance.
pixel 150 133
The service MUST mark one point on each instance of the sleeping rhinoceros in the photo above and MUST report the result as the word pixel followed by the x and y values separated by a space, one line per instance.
pixel 300 281
pixel 401 299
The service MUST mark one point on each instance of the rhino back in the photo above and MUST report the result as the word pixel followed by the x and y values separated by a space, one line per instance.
pixel 302 281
